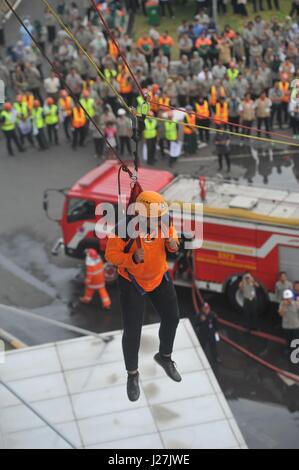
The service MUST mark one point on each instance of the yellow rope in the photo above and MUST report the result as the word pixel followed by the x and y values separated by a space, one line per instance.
pixel 91 61
pixel 235 134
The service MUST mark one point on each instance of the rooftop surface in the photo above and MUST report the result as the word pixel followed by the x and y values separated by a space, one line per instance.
pixel 80 387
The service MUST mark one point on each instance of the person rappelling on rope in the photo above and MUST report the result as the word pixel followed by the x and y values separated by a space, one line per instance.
pixel 143 271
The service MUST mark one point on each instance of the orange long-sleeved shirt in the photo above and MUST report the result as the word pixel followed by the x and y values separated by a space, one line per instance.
pixel 149 274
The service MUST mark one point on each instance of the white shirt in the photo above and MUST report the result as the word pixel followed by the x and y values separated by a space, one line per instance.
pixel 52 85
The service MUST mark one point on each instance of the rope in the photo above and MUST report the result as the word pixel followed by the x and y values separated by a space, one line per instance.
pixel 48 321
pixel 232 124
pixel 110 34
pixel 54 429
pixel 61 77
pixel 264 363
pixel 91 61
pixel 236 134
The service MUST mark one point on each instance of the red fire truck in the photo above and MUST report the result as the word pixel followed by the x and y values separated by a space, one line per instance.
pixel 245 229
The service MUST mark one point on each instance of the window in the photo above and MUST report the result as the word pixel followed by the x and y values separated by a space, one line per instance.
pixel 81 209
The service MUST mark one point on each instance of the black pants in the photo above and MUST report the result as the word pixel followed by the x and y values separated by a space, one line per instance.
pixel 164 299
pixel 204 134
pixel 236 121
pixel 125 142
pixel 28 137
pixel 295 126
pixel 227 159
pixel 208 342
pixel 276 113
pixel 66 127
pixel 285 112
pixel 99 145
pixel 151 150
pixel 41 139
pixel 251 315
pixel 53 134
pixel 242 10
pixel 295 8
pixel 11 136
pixel 128 98
pixel 167 5
pixel 222 7
pixel 78 137
pixel 51 33
pixel 247 124
pixel 260 122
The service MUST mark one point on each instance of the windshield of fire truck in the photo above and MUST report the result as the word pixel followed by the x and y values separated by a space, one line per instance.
pixel 80 209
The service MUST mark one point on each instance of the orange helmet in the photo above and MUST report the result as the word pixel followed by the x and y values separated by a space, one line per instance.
pixel 63 93
pixel 86 94
pixel 151 204
pixel 36 104
pixel 7 106
pixel 50 101
pixel 92 253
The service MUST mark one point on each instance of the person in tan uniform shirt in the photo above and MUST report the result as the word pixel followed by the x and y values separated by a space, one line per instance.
pixel 263 112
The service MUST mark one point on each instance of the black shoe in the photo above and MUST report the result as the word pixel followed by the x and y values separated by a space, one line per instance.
pixel 133 389
pixel 169 367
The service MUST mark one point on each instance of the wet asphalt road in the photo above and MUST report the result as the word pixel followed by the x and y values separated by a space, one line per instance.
pixel 265 406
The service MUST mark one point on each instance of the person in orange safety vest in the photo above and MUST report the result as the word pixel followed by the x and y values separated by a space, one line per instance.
pixel 221 113
pixel 79 122
pixel 143 273
pixel 66 105
pixel 95 279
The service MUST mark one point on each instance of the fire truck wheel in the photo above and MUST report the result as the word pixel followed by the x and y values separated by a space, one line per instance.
pixel 111 274
pixel 236 299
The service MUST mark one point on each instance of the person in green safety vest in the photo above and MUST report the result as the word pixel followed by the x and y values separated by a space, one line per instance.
pixel 52 120
pixel 171 133
pixel 150 134
pixel 143 108
pixel 232 73
pixel 23 120
pixel 8 126
pixel 109 74
pixel 38 120
pixel 89 105
pixel 21 108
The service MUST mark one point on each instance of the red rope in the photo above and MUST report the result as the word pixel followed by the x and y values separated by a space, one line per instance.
pixel 262 131
pixel 259 334
pixel 111 35
pixel 264 363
